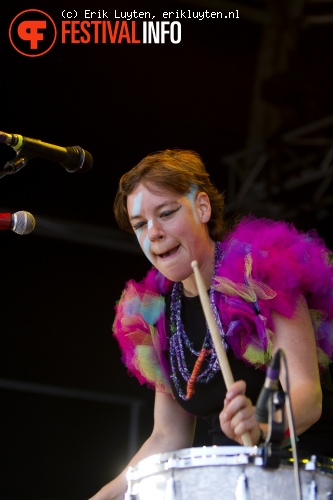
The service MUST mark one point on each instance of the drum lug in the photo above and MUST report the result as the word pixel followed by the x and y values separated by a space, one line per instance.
pixel 242 488
pixel 170 492
pixel 129 496
pixel 313 490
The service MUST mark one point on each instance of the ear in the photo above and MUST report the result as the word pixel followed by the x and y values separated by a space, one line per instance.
pixel 203 206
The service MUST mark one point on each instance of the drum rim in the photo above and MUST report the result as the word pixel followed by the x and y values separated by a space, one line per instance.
pixel 213 455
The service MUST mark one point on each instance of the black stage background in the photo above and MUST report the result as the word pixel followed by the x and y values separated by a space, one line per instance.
pixel 69 410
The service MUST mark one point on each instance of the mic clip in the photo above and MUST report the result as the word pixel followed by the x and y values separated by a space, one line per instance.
pixel 13 166
pixel 276 419
pixel 275 434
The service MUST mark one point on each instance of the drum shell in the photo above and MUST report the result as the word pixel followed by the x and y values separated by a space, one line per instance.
pixel 227 473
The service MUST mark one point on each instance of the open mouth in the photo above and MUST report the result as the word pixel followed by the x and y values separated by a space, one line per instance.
pixel 169 252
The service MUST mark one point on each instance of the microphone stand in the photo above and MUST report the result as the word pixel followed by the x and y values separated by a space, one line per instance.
pixel 271 449
pixel 13 166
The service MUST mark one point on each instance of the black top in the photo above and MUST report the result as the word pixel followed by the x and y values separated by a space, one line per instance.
pixel 207 401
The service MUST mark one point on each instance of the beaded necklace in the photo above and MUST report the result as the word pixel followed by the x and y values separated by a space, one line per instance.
pixel 179 341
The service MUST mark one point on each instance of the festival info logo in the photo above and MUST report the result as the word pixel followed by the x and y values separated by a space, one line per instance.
pixel 32 33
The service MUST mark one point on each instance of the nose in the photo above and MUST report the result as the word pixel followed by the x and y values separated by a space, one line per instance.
pixel 155 230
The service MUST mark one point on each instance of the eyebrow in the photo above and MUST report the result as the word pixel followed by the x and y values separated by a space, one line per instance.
pixel 156 209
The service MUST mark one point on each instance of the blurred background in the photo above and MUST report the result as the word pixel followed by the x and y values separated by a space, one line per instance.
pixel 252 94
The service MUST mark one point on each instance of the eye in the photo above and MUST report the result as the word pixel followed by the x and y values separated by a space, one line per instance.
pixel 139 225
pixel 168 213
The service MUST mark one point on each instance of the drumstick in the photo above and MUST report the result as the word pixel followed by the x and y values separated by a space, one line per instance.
pixel 221 354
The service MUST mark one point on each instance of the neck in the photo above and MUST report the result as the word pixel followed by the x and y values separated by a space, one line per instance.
pixel 206 268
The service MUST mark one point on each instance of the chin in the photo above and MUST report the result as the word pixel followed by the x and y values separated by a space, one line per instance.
pixel 175 276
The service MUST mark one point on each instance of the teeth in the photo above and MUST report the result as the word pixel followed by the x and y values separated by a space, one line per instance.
pixel 169 252
pixel 166 254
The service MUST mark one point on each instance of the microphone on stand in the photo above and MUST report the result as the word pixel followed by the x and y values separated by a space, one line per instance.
pixel 20 222
pixel 271 385
pixel 74 159
pixel 270 410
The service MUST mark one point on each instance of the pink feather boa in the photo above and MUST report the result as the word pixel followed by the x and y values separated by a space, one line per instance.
pixel 265 267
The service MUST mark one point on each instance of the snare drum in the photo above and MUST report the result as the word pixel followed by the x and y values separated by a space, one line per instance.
pixel 227 473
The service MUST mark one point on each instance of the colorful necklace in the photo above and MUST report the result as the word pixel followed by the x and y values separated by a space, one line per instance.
pixel 179 342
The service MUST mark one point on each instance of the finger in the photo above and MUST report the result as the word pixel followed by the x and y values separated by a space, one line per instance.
pixel 237 388
pixel 247 425
pixel 237 404
pixel 245 414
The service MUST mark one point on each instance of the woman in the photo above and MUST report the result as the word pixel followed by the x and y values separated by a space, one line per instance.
pixel 270 288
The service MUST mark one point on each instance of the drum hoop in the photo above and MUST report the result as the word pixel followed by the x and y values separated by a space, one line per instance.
pixel 210 456
pixel 220 455
pixel 195 457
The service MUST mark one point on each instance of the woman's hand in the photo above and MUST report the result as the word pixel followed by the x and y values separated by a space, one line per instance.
pixel 238 415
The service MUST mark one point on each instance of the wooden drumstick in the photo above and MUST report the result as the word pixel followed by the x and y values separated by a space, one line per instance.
pixel 220 352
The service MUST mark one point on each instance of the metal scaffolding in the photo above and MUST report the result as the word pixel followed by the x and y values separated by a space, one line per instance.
pixel 287 178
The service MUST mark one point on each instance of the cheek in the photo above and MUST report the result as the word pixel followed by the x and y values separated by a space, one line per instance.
pixel 191 236
pixel 146 247
pixel 144 243
pixel 186 228
pixel 139 235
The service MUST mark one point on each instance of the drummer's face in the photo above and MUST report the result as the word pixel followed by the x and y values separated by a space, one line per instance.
pixel 170 227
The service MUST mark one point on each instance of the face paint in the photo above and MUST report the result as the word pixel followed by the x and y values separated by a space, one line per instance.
pixel 137 204
pixel 191 195
pixel 146 247
pixel 136 211
pixel 146 242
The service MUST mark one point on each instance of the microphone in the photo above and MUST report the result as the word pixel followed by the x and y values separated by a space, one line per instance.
pixel 19 222
pixel 74 159
pixel 270 386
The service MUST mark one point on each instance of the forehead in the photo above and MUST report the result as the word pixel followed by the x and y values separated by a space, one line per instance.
pixel 150 194
pixel 156 189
